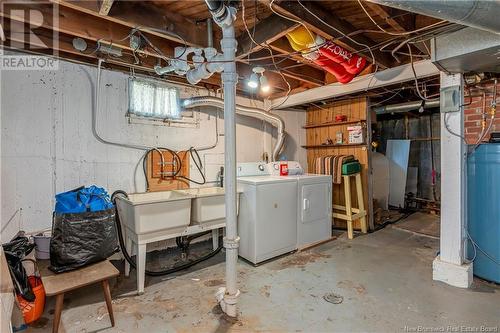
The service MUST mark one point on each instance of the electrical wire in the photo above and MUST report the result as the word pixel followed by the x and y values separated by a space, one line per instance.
pixel 492 118
pixel 388 99
pixel 289 87
pixel 476 246
pixel 291 19
pixel 339 31
pixel 405 33
pixel 469 94
pixel 445 122
pixel 176 161
pixel 415 77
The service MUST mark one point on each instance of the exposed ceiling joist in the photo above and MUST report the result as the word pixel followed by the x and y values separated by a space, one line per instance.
pixel 70 22
pixel 65 49
pixel 266 31
pixel 162 24
pixel 384 12
pixel 275 79
pixel 335 27
pixel 398 24
pixel 289 68
pixel 105 7
pixel 359 84
pixel 282 46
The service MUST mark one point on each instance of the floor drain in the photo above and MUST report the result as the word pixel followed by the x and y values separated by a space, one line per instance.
pixel 333 298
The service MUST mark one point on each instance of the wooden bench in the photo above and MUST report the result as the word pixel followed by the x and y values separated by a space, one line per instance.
pixel 58 284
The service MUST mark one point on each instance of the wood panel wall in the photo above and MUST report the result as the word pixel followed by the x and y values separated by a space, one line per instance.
pixel 321 125
pixel 158 174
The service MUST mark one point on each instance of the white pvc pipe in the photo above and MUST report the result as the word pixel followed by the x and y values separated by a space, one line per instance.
pixel 231 241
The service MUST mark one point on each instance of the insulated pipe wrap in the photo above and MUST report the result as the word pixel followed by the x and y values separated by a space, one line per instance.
pixel 272 119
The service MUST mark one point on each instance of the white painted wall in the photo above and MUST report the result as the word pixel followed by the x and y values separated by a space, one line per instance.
pixel 47 146
pixel 296 136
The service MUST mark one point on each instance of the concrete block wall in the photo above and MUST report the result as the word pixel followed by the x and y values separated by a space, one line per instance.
pixel 47 145
pixel 473 113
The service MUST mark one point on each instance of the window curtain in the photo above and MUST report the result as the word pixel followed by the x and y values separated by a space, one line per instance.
pixel 148 99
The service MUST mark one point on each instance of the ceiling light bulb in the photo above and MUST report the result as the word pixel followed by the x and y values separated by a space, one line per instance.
pixel 254 81
pixel 421 108
pixel 264 84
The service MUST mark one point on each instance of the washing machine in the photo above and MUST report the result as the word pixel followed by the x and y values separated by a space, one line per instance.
pixel 267 220
pixel 314 203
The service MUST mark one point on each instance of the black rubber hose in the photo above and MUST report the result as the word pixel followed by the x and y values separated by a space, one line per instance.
pixel 385 224
pixel 186 240
pixel 175 175
pixel 148 272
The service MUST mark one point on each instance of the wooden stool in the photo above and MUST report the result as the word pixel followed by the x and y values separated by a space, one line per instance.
pixel 58 284
pixel 359 213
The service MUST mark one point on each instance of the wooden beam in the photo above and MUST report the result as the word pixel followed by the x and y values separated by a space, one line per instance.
pixel 289 68
pixel 384 13
pixel 275 79
pixel 79 24
pixel 133 14
pixel 266 31
pixel 330 30
pixel 391 76
pixel 66 50
pixel 282 46
pixel 105 7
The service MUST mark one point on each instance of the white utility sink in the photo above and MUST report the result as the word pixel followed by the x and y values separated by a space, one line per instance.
pixel 155 211
pixel 208 204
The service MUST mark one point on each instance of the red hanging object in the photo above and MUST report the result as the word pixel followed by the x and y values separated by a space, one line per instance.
pixel 334 68
pixel 353 63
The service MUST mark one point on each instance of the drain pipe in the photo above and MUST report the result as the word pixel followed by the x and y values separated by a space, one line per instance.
pixel 210 33
pixel 224 17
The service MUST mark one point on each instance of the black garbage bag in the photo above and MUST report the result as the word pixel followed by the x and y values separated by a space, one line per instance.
pixel 79 239
pixel 15 252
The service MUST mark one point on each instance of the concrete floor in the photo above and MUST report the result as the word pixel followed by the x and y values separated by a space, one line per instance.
pixel 385 279
pixel 421 223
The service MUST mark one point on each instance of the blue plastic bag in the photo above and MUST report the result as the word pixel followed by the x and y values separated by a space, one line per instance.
pixel 83 199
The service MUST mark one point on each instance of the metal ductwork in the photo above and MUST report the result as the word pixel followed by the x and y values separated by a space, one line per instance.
pixel 479 14
pixel 272 119
pixel 466 50
pixel 407 106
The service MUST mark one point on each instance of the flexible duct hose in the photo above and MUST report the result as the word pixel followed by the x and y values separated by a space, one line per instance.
pixel 272 119
pixel 148 272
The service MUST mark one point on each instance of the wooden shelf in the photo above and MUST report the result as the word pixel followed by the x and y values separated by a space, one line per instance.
pixel 334 123
pixel 346 145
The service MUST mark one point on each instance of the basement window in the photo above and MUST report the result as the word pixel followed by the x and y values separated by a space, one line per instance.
pixel 153 100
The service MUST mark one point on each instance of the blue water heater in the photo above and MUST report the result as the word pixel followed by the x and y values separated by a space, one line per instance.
pixel 483 198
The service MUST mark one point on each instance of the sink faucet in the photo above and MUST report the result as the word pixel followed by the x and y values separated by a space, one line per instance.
pixel 220 177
